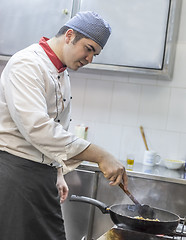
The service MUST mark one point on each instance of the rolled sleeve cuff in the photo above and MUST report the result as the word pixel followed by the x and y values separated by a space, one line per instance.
pixel 74 148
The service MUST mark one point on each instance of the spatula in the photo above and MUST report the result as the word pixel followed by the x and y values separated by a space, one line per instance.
pixel 144 210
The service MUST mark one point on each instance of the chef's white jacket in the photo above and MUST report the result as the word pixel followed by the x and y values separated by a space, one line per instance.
pixel 35 111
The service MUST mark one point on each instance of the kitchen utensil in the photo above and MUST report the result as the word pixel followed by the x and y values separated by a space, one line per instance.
pixel 144 210
pixel 130 161
pixel 173 164
pixel 124 214
pixel 144 138
pixel 151 158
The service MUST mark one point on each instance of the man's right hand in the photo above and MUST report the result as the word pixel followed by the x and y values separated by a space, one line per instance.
pixel 111 168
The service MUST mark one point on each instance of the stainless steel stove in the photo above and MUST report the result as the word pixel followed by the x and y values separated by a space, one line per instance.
pixel 121 233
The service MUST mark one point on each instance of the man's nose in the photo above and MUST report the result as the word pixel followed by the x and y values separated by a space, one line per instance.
pixel 89 58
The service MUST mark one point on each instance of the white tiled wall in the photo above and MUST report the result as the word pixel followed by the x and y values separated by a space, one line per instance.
pixel 114 105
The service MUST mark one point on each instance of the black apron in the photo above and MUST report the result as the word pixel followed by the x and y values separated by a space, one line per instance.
pixel 29 202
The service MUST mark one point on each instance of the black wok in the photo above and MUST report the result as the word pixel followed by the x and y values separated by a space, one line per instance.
pixel 123 214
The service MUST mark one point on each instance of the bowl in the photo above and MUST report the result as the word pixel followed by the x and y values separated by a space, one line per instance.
pixel 173 164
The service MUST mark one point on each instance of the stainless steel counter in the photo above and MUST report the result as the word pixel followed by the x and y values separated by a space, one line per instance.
pixel 155 173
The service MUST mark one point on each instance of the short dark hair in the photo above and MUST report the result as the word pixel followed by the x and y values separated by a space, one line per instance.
pixel 78 35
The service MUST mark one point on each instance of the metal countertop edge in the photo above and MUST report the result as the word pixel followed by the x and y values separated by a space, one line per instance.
pixel 94 168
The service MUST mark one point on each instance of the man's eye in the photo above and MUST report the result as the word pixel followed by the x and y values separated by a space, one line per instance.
pixel 88 49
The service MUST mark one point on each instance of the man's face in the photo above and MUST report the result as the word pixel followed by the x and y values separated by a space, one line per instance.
pixel 81 53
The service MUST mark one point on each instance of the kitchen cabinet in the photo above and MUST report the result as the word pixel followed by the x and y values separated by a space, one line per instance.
pixel 143 35
pixel 25 22
pixel 79 217
pixel 138 31
pixel 143 39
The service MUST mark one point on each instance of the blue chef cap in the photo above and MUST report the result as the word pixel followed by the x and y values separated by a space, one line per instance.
pixel 91 25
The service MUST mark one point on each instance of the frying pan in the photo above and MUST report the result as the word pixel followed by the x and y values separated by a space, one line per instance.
pixel 123 214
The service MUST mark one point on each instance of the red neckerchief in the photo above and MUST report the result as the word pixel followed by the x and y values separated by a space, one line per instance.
pixel 50 53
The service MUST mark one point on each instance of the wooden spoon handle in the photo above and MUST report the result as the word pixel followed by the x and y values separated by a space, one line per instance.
pixel 143 136
pixel 129 194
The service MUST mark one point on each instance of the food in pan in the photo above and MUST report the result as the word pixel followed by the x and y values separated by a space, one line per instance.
pixel 147 219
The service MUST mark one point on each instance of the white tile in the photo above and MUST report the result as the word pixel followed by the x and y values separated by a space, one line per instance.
pixel 164 83
pixel 177 110
pixel 114 76
pixel 154 106
pixel 86 74
pixel 108 136
pixel 165 143
pixel 131 142
pixel 181 148
pixel 125 104
pixel 97 100
pixel 179 68
pixel 171 143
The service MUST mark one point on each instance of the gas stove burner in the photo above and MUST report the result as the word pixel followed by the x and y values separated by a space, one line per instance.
pixel 125 234
pixel 120 232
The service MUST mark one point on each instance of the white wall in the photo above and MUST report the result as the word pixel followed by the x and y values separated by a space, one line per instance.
pixel 114 105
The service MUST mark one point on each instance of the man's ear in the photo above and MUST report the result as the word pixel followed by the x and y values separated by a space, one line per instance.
pixel 69 35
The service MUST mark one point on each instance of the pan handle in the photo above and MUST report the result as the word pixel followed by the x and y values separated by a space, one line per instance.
pixel 102 206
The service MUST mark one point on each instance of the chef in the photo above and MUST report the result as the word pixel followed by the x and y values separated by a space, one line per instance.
pixel 36 148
